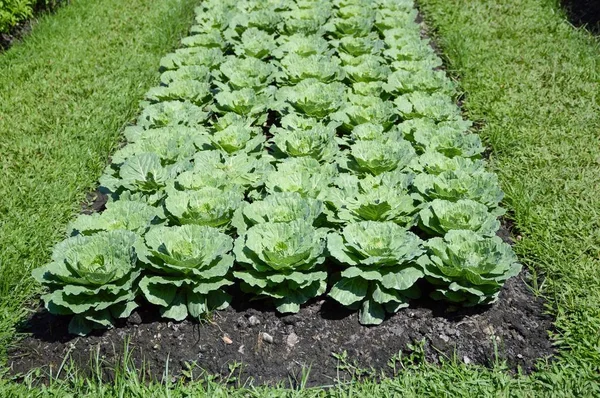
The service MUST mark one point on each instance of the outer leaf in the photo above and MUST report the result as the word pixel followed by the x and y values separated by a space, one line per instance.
pixel 349 291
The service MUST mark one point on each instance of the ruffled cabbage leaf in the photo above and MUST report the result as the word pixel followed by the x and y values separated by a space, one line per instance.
pixel 278 207
pixel 172 113
pixel 381 273
pixel 93 278
pixel 385 197
pixel 204 206
pixel 255 43
pixel 442 216
pixel 314 98
pixel 282 261
pixel 467 268
pixel 241 73
pixel 188 267
pixel 323 68
pixel 121 214
pixel 305 176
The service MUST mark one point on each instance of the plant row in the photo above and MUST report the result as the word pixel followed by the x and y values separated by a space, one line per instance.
pixel 293 147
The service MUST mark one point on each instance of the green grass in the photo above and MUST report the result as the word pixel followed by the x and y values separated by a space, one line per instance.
pixel 65 94
pixel 529 77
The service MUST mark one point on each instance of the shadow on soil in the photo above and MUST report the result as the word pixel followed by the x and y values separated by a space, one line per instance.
pixel 584 13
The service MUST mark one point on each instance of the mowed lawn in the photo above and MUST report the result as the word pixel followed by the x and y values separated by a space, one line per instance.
pixel 65 94
pixel 530 80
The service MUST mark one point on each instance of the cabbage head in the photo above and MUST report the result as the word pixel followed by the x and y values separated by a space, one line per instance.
pixel 467 268
pixel 93 279
pixel 381 271
pixel 282 261
pixel 187 268
pixel 441 216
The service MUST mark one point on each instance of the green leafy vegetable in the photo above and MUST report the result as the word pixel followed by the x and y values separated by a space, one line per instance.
pixel 246 101
pixel 302 45
pixel 314 98
pixel 468 268
pixel 92 278
pixel 172 113
pixel 317 141
pixel 242 73
pixel 481 187
pixel 201 56
pixel 324 68
pixel 204 206
pixel 198 93
pixel 255 43
pixel 436 106
pixel 122 214
pixel 189 266
pixel 374 198
pixel 282 261
pixel 441 216
pixel 303 175
pixel 381 270
pixel 277 207
pixel 378 156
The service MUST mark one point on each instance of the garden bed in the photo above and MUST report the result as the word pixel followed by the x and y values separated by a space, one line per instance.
pixel 515 328
pixel 371 188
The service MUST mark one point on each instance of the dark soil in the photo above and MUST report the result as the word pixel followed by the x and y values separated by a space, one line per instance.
pixel 584 13
pixel 515 327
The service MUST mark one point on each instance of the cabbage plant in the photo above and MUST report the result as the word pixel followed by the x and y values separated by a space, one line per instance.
pixel 282 261
pixel 424 80
pixel 92 278
pixel 142 173
pixel 302 45
pixel 187 268
pixel 204 56
pixel 306 21
pixel 324 68
pixel 172 144
pixel 482 187
pixel 245 102
pixel 381 271
pixel 378 156
pixel 188 73
pixel 314 98
pixel 374 198
pixel 263 19
pixel 243 169
pixel 198 93
pixel 357 46
pixel 317 141
pixel 172 113
pixel 467 268
pixel 305 176
pixel 241 73
pixel 435 163
pixel 278 207
pixel 236 138
pixel 205 206
pixel 436 106
pixel 363 109
pixel 126 215
pixel 209 39
pixel 255 43
pixel 366 68
pixel 442 216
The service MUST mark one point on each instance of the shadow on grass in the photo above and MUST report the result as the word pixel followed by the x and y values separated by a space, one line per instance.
pixel 583 13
